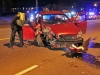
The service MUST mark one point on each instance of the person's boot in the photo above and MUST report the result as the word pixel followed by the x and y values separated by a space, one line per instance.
pixel 10 47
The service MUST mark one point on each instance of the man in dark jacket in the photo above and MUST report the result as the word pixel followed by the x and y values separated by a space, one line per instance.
pixel 16 28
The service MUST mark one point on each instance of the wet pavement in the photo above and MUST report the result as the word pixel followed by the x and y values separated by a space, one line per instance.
pixel 94 45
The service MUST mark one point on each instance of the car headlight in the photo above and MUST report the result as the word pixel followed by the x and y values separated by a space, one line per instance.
pixel 79 35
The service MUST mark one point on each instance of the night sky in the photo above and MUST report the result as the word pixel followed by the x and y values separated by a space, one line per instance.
pixel 45 2
pixel 32 2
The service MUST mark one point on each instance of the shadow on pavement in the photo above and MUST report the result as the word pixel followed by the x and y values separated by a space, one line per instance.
pixel 94 44
pixel 8 44
pixel 87 57
pixel 15 44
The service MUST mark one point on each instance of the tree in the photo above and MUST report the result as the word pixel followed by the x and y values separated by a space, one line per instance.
pixel 49 6
pixel 64 4
pixel 52 6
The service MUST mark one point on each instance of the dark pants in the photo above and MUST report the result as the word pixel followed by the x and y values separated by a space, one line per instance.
pixel 12 38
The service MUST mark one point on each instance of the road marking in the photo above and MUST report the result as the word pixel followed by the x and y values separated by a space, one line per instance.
pixel 4 39
pixel 26 70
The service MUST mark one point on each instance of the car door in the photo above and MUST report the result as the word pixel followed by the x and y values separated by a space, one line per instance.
pixel 81 22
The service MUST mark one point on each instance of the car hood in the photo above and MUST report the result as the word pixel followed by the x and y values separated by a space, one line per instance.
pixel 61 29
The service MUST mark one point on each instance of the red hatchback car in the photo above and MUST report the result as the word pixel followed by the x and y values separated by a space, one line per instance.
pixel 56 29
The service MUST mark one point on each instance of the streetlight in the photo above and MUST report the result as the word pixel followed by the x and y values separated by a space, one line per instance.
pixel 18 5
pixel 96 6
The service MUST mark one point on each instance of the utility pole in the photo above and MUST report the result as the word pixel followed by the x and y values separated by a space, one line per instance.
pixel 18 5
pixel 36 5
pixel 3 3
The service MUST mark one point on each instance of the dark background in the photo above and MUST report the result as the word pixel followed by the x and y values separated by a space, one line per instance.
pixel 44 2
pixel 67 4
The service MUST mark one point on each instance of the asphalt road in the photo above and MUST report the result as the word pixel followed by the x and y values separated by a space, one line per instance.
pixel 42 61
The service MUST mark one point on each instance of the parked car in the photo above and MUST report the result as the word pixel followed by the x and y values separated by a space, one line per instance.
pixel 57 29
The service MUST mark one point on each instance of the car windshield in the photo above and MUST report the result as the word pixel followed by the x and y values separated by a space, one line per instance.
pixel 54 19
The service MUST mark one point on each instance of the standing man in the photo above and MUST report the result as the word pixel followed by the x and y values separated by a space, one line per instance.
pixel 16 26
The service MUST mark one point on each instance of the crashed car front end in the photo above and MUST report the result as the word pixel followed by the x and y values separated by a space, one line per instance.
pixel 58 41
pixel 57 29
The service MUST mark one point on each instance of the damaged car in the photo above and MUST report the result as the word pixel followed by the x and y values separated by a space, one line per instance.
pixel 56 29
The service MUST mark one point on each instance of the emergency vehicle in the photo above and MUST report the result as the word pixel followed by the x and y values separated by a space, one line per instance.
pixel 91 15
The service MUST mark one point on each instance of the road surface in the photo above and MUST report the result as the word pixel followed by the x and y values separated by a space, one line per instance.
pixel 42 61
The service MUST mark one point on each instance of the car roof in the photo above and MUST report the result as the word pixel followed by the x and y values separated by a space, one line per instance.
pixel 51 12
